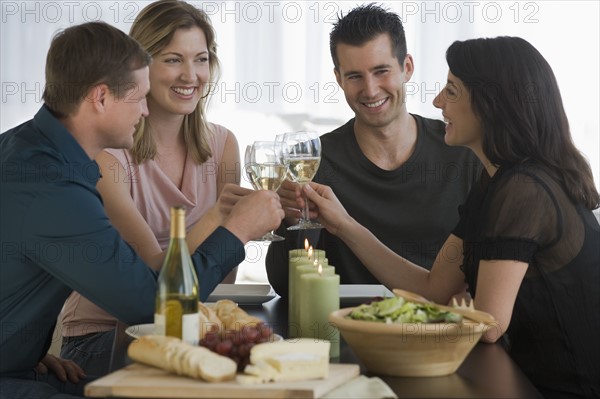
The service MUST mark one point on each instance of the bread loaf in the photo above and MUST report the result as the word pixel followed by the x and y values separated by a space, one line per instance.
pixel 209 321
pixel 175 356
pixel 232 316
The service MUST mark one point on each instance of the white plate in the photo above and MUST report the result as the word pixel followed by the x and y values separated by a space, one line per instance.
pixel 355 294
pixel 139 330
pixel 243 294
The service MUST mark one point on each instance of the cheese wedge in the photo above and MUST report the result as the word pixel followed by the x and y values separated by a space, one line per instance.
pixel 297 366
pixel 290 360
pixel 258 374
pixel 298 345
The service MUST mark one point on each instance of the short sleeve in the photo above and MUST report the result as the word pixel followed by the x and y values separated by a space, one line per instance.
pixel 521 217
pixel 459 229
pixel 218 138
pixel 469 209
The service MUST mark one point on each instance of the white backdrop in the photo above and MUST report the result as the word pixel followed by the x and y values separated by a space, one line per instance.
pixel 276 68
pixel 277 72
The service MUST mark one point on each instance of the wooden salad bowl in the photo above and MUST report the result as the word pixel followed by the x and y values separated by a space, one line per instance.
pixel 408 349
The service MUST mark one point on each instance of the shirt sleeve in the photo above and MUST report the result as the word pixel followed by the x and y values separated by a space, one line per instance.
pixel 521 217
pixel 218 137
pixel 76 243
pixel 215 258
pixel 459 230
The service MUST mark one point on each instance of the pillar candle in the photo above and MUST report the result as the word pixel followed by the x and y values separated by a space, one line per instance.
pixel 318 254
pixel 299 257
pixel 299 295
pixel 323 297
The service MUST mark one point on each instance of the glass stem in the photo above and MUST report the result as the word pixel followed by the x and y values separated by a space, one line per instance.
pixel 306 210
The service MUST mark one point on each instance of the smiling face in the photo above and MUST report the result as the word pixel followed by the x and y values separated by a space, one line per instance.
pixel 179 72
pixel 123 114
pixel 373 81
pixel 463 128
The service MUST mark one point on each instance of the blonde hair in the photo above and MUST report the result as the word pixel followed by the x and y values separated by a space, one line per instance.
pixel 154 28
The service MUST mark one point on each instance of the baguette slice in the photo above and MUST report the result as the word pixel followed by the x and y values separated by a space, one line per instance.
pixel 175 356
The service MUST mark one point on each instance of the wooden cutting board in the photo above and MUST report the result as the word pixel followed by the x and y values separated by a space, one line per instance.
pixel 140 381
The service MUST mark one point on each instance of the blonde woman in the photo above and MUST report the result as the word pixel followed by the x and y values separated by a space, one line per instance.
pixel 178 157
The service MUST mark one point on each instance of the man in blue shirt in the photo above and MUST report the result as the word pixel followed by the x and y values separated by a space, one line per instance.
pixel 55 236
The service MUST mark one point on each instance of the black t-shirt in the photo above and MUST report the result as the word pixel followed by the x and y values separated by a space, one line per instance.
pixel 524 214
pixel 411 209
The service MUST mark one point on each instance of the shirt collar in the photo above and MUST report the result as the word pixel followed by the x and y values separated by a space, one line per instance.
pixel 64 141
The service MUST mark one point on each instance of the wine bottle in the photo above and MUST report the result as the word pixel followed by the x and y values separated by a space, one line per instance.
pixel 177 294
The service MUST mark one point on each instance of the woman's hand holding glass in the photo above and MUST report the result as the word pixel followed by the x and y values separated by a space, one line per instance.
pixel 302 154
pixel 266 171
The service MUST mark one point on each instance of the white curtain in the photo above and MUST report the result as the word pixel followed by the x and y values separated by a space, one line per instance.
pixel 277 71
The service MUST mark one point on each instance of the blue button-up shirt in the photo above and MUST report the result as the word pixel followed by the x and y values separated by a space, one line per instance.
pixel 55 237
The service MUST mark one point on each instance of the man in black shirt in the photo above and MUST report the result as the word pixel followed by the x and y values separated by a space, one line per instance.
pixel 391 170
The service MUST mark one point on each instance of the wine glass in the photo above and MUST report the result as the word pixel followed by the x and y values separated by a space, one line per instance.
pixel 266 171
pixel 302 155
pixel 279 142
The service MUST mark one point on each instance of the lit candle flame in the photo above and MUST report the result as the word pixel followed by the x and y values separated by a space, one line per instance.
pixel 306 244
pixel 310 252
pixel 320 269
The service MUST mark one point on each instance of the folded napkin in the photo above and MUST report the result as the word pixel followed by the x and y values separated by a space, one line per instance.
pixel 362 387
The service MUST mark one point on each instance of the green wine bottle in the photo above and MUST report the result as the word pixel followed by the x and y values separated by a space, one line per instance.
pixel 177 294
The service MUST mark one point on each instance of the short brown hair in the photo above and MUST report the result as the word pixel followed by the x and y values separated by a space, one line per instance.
pixel 85 55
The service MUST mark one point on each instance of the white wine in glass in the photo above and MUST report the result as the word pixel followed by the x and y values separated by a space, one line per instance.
pixel 266 176
pixel 303 170
pixel 265 171
pixel 302 155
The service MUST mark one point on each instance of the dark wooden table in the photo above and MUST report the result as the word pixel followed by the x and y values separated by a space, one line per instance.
pixel 487 372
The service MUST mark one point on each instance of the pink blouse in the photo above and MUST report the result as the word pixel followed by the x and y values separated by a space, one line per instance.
pixel 153 194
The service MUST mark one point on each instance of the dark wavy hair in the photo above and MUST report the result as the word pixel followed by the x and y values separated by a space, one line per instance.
pixel 516 97
pixel 363 24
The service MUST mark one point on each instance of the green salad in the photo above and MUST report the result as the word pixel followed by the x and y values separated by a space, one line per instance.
pixel 399 310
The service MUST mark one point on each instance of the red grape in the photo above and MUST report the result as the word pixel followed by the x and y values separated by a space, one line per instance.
pixel 224 347
pixel 236 344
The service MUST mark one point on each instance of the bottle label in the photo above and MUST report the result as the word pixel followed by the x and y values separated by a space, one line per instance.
pixel 160 324
pixel 191 328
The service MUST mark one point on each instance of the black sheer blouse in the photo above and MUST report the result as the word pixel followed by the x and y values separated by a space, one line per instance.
pixel 523 213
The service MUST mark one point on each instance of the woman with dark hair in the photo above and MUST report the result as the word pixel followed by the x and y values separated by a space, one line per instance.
pixel 526 245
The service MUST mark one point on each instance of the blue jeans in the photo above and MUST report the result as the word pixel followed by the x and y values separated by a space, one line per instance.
pixel 40 386
pixel 91 352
